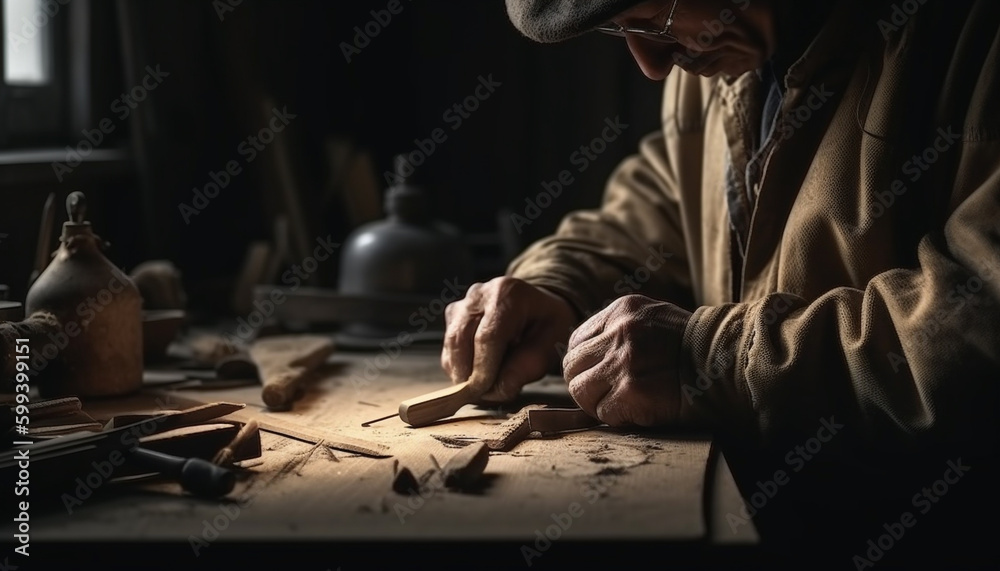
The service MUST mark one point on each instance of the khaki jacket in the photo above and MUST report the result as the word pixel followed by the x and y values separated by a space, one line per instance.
pixel 871 281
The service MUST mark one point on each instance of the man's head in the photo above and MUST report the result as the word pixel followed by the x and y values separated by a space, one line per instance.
pixel 713 36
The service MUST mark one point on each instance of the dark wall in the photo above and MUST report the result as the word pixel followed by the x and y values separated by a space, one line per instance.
pixel 230 65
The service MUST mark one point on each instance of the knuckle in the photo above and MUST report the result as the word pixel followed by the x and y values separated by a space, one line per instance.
pixel 475 291
pixel 486 334
pixel 576 387
pixel 507 286
pixel 575 338
pixel 632 303
pixel 628 328
pixel 607 412
pixel 452 337
pixel 451 310
pixel 503 291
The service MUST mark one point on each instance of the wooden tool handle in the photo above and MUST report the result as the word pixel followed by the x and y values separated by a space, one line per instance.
pixel 279 390
pixel 425 409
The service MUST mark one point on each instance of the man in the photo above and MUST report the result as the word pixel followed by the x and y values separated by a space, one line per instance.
pixel 819 221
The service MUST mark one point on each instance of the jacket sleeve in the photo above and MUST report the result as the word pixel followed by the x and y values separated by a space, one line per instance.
pixel 595 254
pixel 911 361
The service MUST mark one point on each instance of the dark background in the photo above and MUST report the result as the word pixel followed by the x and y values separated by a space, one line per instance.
pixel 230 64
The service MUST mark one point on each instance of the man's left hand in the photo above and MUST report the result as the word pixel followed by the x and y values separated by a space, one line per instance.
pixel 621 365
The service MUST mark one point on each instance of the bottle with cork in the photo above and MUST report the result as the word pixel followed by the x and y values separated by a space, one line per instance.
pixel 97 346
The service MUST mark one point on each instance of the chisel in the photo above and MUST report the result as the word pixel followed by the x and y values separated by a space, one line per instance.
pixel 425 409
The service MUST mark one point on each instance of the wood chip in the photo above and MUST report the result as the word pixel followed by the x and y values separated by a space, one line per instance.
pixel 405 483
pixel 465 468
pixel 512 431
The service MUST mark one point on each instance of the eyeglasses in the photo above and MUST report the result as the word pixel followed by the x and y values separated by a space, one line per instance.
pixel 662 36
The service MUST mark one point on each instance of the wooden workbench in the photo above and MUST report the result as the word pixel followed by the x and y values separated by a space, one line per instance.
pixel 615 486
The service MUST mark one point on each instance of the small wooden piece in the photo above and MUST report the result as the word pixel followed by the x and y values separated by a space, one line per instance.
pixel 204 441
pixel 274 425
pixel 169 420
pixel 227 454
pixel 464 469
pixel 514 430
pixel 425 409
pixel 405 483
pixel 284 360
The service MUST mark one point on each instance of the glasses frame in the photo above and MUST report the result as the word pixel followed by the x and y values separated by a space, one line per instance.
pixel 663 36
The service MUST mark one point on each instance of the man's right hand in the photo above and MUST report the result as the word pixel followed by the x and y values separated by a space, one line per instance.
pixel 503 335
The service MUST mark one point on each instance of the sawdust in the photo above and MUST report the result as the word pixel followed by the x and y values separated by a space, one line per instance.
pixel 292 465
pixel 453 442
pixel 329 454
pixel 599 459
pixel 307 456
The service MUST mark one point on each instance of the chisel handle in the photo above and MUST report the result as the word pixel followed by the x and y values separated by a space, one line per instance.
pixel 280 390
pixel 200 477
pixel 425 409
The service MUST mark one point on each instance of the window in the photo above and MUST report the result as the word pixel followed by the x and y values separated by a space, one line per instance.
pixel 33 94
pixel 27 43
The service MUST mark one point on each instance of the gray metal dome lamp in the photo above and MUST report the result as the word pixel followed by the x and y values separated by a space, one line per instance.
pixel 407 254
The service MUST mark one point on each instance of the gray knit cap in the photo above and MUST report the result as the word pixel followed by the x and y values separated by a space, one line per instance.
pixel 550 21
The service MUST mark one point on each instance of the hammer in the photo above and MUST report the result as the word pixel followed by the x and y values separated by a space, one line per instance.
pixel 284 360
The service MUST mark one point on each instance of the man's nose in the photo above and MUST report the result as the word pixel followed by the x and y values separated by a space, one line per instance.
pixel 655 59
